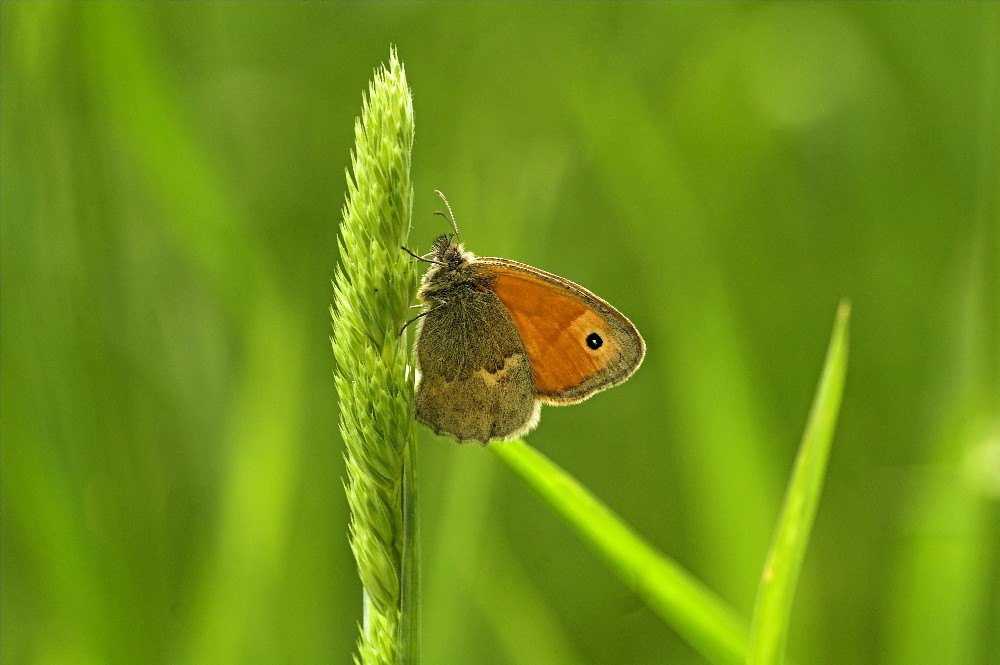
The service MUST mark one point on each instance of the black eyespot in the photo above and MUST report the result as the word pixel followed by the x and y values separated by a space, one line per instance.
pixel 594 341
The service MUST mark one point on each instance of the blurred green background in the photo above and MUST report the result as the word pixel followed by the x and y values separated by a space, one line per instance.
pixel 172 177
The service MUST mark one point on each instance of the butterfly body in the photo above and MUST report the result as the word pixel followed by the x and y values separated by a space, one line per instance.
pixel 498 338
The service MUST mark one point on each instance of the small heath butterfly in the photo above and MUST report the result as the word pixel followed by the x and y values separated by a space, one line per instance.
pixel 498 339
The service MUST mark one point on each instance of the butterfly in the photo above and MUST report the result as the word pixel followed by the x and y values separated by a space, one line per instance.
pixel 498 338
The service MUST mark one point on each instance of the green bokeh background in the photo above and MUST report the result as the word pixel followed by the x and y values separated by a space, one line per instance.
pixel 172 177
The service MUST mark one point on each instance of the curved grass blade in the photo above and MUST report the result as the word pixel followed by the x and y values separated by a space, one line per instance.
pixel 772 610
pixel 698 615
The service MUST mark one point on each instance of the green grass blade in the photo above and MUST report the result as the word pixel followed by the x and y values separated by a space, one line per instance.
pixel 699 616
pixel 774 598
pixel 409 629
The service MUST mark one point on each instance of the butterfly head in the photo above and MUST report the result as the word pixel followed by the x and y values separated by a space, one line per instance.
pixel 447 252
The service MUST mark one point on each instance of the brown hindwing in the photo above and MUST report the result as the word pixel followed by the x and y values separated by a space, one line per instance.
pixel 475 377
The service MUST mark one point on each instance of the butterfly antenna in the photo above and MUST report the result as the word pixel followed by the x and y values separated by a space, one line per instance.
pixel 450 216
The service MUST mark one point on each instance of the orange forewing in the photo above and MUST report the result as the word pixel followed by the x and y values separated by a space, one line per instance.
pixel 554 320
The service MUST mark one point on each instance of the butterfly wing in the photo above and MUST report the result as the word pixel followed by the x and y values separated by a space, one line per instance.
pixel 577 343
pixel 475 377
